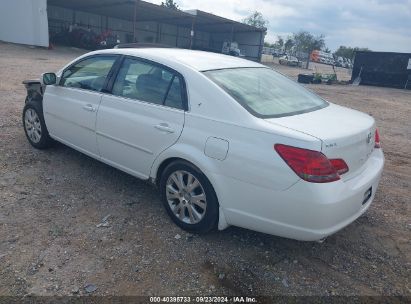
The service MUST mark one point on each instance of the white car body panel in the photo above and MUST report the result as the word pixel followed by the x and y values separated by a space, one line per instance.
pixel 342 132
pixel 71 115
pixel 131 133
pixel 256 189
pixel 306 211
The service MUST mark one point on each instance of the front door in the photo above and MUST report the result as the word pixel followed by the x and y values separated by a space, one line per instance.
pixel 70 107
pixel 143 116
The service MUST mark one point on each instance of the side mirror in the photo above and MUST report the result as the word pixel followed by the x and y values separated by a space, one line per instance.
pixel 49 78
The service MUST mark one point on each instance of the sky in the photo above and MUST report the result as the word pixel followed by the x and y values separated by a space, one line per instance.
pixel 380 25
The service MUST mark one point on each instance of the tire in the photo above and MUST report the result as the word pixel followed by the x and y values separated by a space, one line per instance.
pixel 194 210
pixel 35 127
pixel 304 78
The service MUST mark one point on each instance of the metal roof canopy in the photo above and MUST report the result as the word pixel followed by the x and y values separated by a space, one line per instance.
pixel 212 23
pixel 144 11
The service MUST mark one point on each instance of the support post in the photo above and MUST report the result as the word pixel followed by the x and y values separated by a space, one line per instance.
pixel 134 22
pixel 177 36
pixel 260 48
pixel 307 65
pixel 192 33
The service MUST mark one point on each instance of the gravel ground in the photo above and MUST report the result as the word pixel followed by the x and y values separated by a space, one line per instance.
pixel 52 201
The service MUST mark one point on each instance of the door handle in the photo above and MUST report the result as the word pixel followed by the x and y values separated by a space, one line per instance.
pixel 89 107
pixel 164 127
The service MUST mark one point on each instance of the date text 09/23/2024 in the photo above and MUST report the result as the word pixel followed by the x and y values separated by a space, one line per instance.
pixel 200 299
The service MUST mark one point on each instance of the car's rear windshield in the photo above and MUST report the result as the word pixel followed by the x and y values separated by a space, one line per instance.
pixel 266 93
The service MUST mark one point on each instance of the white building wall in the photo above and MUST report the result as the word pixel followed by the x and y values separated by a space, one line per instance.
pixel 24 21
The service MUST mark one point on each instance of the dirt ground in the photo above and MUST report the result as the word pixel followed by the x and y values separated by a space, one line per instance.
pixel 52 201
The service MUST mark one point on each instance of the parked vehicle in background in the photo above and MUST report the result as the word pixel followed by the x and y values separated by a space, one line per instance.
pixel 107 40
pixel 278 53
pixel 339 62
pixel 329 59
pixel 231 48
pixel 85 38
pixel 275 52
pixel 268 50
pixel 343 62
pixel 322 57
pixel 227 141
pixel 315 56
pixel 350 63
pixel 289 60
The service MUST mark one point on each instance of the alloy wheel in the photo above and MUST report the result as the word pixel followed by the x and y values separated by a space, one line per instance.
pixel 186 197
pixel 33 125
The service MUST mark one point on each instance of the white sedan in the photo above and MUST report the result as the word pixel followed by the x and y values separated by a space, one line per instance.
pixel 288 60
pixel 227 141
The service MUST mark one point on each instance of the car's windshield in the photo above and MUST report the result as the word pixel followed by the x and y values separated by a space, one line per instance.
pixel 266 93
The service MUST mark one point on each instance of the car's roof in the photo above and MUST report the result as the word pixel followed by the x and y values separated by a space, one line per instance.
pixel 197 60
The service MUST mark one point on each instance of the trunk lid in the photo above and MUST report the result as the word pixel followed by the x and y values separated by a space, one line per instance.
pixel 344 133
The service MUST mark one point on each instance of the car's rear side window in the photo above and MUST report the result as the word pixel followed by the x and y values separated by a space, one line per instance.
pixel 88 74
pixel 174 96
pixel 266 93
pixel 148 82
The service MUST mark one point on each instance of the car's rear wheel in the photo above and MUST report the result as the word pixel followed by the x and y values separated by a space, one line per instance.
pixel 189 197
pixel 35 127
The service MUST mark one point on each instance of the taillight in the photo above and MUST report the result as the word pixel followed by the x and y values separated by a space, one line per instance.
pixel 377 140
pixel 340 166
pixel 312 166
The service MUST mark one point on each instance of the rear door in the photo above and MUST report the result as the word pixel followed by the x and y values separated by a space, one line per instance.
pixel 143 116
pixel 70 108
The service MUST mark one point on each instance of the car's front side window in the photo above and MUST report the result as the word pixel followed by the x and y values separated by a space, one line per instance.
pixel 148 82
pixel 88 74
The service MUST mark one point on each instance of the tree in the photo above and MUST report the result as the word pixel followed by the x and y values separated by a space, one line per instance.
pixel 348 52
pixel 289 43
pixel 307 42
pixel 327 50
pixel 170 4
pixel 280 42
pixel 256 19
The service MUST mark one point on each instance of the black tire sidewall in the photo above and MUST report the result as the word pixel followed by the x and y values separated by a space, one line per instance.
pixel 45 140
pixel 210 220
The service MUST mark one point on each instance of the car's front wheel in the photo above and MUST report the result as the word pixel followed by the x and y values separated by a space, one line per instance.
pixel 35 127
pixel 189 197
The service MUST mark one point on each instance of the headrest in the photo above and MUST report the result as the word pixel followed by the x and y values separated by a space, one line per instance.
pixel 146 81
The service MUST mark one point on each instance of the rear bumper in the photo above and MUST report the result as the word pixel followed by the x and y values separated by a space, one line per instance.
pixel 305 211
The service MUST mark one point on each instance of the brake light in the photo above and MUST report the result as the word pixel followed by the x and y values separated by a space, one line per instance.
pixel 377 144
pixel 312 166
pixel 340 166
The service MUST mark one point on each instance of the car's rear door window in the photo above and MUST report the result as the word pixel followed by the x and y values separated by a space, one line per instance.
pixel 145 81
pixel 266 93
pixel 88 74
